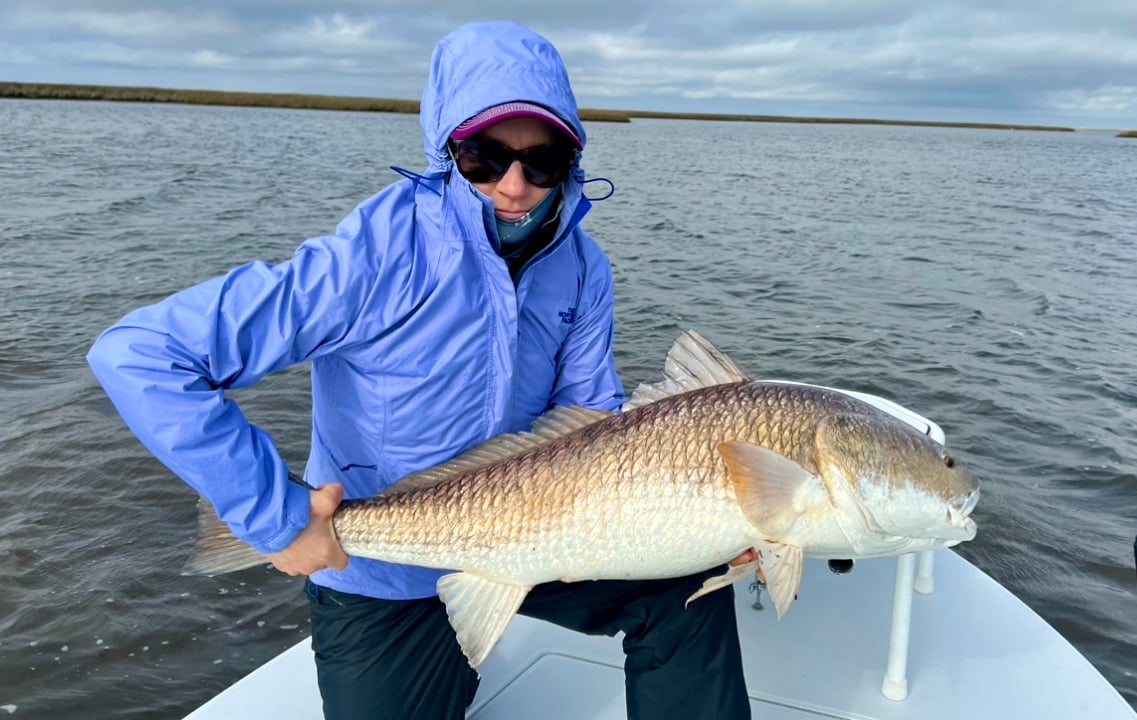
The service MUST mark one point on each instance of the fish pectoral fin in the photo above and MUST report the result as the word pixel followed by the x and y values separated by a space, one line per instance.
pixel 782 567
pixel 217 550
pixel 479 610
pixel 720 581
pixel 765 483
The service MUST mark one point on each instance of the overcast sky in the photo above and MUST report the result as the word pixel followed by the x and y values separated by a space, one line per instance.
pixel 1050 62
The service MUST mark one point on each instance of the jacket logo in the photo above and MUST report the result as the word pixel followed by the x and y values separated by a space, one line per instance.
pixel 568 316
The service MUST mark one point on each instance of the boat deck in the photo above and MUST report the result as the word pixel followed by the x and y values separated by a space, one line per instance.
pixel 975 651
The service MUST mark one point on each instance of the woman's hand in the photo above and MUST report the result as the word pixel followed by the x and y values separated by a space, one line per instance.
pixel 746 557
pixel 316 547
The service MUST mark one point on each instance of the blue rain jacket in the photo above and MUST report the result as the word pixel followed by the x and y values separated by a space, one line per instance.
pixel 420 343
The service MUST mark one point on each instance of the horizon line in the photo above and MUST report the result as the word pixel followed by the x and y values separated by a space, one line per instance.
pixel 130 93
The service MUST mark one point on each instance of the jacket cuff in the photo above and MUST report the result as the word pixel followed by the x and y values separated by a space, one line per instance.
pixel 295 516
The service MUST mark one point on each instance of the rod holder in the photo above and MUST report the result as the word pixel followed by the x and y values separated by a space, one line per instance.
pixel 895 685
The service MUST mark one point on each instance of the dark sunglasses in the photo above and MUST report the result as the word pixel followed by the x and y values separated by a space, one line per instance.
pixel 482 160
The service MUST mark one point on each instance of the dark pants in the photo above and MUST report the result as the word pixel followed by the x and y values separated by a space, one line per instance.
pixel 399 658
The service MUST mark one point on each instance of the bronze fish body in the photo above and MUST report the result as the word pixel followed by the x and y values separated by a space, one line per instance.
pixel 696 470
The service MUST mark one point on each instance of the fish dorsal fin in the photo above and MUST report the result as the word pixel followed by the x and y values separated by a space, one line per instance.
pixel 561 421
pixel 554 424
pixel 693 362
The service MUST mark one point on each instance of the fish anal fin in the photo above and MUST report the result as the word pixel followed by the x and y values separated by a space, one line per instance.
pixel 766 483
pixel 693 362
pixel 479 610
pixel 734 572
pixel 217 550
pixel 554 424
pixel 781 564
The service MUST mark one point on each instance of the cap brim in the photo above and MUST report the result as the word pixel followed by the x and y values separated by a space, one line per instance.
pixel 505 111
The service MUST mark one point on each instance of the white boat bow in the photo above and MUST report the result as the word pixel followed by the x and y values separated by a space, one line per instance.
pixel 975 651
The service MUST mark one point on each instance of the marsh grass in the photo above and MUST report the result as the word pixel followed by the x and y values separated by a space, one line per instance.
pixel 846 121
pixel 116 93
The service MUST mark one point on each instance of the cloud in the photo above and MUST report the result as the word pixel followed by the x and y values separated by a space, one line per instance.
pixel 1016 60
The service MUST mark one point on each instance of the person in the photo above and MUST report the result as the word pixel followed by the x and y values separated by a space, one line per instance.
pixel 448 308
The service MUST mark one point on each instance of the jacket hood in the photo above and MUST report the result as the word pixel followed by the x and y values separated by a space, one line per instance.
pixel 480 65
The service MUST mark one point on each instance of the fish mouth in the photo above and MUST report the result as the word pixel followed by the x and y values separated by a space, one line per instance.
pixel 959 513
pixel 965 531
pixel 961 507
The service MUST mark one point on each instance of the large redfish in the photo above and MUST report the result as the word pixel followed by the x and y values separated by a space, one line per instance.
pixel 696 470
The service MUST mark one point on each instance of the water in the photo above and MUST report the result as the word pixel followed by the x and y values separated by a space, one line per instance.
pixel 983 278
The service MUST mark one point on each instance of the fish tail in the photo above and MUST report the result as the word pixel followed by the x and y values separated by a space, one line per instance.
pixel 217 551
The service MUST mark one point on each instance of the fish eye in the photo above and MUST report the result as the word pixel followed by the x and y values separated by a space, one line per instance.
pixel 949 461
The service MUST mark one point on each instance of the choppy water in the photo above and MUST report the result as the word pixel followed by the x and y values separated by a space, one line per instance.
pixel 984 278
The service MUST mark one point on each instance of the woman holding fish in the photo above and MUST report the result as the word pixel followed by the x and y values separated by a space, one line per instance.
pixel 451 307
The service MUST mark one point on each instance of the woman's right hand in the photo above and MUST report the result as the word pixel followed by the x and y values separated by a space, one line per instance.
pixel 316 547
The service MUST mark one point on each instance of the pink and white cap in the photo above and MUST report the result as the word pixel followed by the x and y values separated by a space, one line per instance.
pixel 497 113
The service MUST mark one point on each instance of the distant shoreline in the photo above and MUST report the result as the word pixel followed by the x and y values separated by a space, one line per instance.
pixel 113 93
